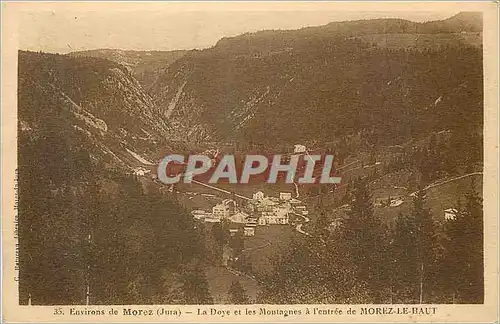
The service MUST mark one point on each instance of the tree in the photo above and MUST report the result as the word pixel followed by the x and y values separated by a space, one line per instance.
pixel 218 237
pixel 404 260
pixel 78 234
pixel 237 294
pixel 364 235
pixel 195 286
pixel 315 271
pixel 463 265
pixel 425 243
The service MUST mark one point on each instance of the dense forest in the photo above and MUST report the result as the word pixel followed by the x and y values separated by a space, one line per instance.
pixel 363 260
pixel 319 84
pixel 90 231
pixel 332 92
pixel 81 227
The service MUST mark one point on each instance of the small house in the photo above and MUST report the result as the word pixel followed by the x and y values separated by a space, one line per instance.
pixel 249 229
pixel 259 195
pixel 450 214
pixel 299 148
pixel 239 218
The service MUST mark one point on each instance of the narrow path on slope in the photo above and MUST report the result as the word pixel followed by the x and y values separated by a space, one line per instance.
pixel 446 181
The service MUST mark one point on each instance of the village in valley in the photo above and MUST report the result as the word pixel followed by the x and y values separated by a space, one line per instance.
pixel 246 215
pixel 242 221
pixel 247 227
pixel 261 210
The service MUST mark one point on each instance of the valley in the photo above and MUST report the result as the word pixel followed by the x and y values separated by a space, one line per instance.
pixel 398 104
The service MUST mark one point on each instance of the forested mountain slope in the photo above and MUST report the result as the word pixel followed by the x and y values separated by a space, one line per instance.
pixel 89 232
pixel 95 98
pixel 391 78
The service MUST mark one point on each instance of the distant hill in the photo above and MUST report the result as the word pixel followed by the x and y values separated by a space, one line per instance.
pixel 461 22
pixel 144 65
pixel 391 79
pixel 466 26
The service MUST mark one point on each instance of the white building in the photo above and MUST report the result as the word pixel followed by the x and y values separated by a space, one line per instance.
pixel 267 204
pixel 212 219
pixel 239 218
pixel 285 196
pixel 450 214
pixel 259 195
pixel 231 203
pixel 279 215
pixel 249 229
pixel 225 209
pixel 396 202
pixel 238 223
pixel 299 148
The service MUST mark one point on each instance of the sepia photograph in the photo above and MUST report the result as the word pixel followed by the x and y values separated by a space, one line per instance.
pixel 251 157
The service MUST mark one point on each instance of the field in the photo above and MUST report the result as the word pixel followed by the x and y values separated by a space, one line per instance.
pixel 447 195
pixel 438 199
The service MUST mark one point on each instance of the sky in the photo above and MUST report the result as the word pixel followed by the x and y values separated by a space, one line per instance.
pixel 154 27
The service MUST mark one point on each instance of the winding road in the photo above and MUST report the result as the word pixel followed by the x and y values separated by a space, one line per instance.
pixel 298 228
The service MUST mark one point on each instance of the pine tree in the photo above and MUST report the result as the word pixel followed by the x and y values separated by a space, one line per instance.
pixel 195 286
pixel 474 265
pixel 425 243
pixel 238 294
pixel 404 261
pixel 315 271
pixel 463 264
pixel 363 234
pixel 218 244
